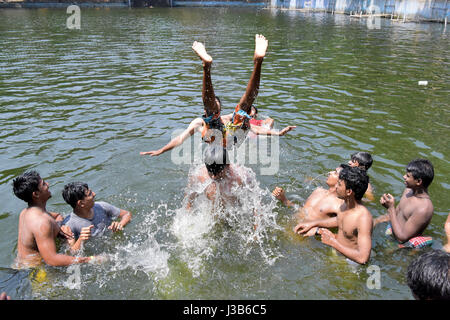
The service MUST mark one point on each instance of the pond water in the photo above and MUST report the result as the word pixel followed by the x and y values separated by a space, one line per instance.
pixel 79 105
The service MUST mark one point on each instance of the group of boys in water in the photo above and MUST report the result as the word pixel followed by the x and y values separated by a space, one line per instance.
pixel 340 206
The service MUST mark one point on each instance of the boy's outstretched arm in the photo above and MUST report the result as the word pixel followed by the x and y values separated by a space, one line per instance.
pixel 175 142
pixel 258 130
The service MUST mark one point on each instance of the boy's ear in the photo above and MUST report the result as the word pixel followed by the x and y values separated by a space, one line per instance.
pixel 35 194
pixel 349 192
pixel 419 182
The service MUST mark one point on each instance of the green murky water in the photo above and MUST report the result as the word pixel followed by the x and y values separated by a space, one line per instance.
pixel 81 105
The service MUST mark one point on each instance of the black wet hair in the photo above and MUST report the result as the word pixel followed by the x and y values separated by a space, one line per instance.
pixel 428 275
pixel 215 158
pixel 355 179
pixel 364 159
pixel 25 184
pixel 421 169
pixel 73 192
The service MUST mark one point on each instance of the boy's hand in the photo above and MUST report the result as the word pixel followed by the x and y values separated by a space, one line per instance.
pixel 279 194
pixel 387 200
pixel 85 233
pixel 115 226
pixel 286 130
pixel 328 237
pixel 303 227
pixel 66 232
pixel 152 153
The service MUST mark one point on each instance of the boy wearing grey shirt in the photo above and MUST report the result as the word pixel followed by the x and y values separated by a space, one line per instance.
pixel 90 218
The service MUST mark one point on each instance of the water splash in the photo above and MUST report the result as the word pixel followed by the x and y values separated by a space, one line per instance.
pixel 166 237
pixel 313 182
pixel 239 219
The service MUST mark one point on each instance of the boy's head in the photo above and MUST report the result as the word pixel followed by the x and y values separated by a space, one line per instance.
pixel 30 187
pixel 428 276
pixel 78 194
pixel 421 170
pixel 360 159
pixel 216 160
pixel 333 176
pixel 352 180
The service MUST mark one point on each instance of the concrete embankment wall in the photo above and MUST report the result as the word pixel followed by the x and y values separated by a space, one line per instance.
pixel 63 3
pixel 83 3
pixel 415 10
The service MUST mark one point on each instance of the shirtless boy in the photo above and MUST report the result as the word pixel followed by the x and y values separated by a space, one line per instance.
pixel 354 221
pixel 38 228
pixel 321 204
pixel 213 124
pixel 415 210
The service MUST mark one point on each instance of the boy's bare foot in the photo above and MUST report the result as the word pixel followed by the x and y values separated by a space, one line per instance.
pixel 200 50
pixel 261 44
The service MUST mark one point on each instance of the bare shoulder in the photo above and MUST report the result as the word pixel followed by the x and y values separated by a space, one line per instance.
pixel 415 204
pixel 429 205
pixel 23 213
pixel 364 213
pixel 37 221
pixel 32 213
pixel 425 207
pixel 317 194
pixel 365 219
pixel 318 191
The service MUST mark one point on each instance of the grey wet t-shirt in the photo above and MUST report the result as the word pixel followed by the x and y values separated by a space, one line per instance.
pixel 104 215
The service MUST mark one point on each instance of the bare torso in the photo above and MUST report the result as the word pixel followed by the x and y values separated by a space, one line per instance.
pixel 31 221
pixel 321 204
pixel 348 223
pixel 409 205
